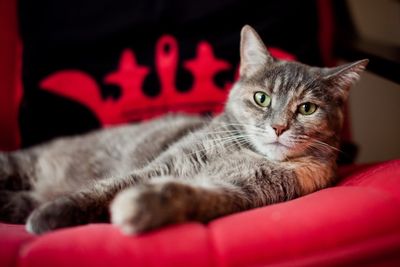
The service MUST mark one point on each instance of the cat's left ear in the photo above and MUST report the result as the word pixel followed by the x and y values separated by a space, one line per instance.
pixel 253 53
pixel 344 76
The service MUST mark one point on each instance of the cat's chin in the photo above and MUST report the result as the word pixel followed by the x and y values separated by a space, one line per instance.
pixel 275 151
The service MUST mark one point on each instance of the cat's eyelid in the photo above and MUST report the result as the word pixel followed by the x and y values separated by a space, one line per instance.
pixel 263 91
pixel 312 100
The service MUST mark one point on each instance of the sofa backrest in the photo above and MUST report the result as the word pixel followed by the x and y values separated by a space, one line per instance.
pixel 97 63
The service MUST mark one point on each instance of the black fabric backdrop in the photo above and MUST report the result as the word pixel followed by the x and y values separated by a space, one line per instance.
pixel 90 35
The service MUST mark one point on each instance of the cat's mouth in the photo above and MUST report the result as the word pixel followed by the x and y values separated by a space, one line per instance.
pixel 276 149
pixel 279 144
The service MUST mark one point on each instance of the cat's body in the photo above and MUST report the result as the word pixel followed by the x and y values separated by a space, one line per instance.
pixel 276 140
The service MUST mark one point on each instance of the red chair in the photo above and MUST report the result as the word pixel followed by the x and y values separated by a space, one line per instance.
pixel 356 222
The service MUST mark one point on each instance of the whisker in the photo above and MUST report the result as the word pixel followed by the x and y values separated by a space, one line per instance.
pixel 239 124
pixel 239 142
pixel 226 141
pixel 215 143
pixel 322 145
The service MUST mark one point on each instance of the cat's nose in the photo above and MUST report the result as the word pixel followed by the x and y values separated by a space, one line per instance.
pixel 279 128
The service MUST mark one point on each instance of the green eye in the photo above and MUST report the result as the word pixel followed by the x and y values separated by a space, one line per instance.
pixel 262 99
pixel 307 108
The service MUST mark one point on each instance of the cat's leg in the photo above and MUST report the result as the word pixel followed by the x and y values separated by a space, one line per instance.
pixel 91 204
pixel 15 207
pixel 233 184
pixel 16 170
pixel 16 178
pixel 169 201
pixel 86 206
pixel 65 212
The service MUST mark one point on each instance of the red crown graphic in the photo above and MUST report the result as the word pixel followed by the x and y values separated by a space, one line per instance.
pixel 133 104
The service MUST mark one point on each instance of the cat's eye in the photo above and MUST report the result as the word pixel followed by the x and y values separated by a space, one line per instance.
pixel 307 108
pixel 262 99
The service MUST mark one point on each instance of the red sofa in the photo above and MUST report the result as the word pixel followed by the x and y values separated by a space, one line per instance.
pixel 356 222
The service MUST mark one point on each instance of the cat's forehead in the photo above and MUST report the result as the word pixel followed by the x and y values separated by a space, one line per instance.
pixel 282 68
pixel 288 80
pixel 285 76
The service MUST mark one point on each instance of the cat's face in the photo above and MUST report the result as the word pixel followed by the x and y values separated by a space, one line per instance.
pixel 286 108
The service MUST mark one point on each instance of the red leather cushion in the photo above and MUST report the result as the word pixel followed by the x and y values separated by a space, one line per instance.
pixel 12 238
pixel 354 223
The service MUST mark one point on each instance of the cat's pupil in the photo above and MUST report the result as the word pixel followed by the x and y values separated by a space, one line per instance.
pixel 262 98
pixel 307 107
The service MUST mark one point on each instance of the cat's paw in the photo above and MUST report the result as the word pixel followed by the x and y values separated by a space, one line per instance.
pixel 60 213
pixel 148 207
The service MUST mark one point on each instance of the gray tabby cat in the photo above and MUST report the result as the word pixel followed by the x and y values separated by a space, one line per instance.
pixel 276 140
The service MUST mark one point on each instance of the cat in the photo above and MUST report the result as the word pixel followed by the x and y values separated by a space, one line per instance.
pixel 277 139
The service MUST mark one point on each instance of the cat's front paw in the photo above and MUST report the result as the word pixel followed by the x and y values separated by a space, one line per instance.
pixel 60 213
pixel 148 207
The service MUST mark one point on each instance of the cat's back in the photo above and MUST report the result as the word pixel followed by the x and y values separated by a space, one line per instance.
pixel 114 150
pixel 125 138
pixel 145 141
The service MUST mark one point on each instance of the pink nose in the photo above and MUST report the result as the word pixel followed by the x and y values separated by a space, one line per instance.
pixel 279 129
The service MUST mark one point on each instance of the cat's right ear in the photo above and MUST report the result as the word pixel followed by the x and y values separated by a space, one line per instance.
pixel 344 76
pixel 253 53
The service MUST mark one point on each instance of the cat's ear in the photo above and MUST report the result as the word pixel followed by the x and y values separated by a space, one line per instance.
pixel 253 53
pixel 344 76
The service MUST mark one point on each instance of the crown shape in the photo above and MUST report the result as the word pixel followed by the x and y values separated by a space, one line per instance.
pixel 133 104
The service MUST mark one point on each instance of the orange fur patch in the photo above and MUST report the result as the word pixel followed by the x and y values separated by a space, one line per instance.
pixel 313 175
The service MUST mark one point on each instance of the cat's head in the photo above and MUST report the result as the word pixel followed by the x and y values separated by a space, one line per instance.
pixel 289 109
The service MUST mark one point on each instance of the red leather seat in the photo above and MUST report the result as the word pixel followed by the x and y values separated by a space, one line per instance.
pixel 353 223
